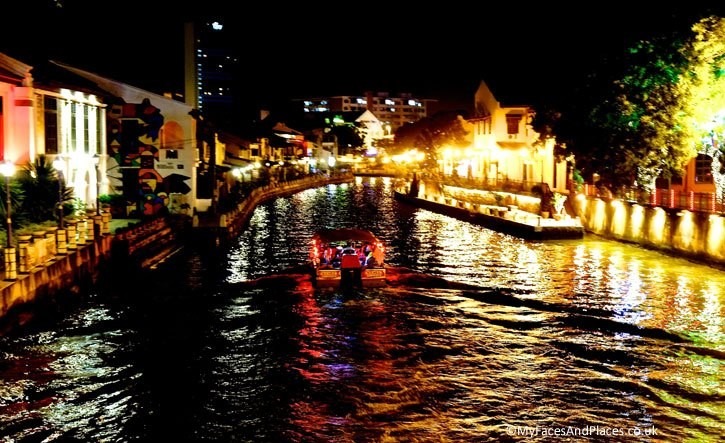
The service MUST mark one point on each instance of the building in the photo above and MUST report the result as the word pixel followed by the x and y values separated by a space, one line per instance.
pixel 42 113
pixel 393 112
pixel 504 148
pixel 150 148
pixel 211 70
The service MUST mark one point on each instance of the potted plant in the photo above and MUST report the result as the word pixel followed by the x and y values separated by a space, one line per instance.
pixel 558 201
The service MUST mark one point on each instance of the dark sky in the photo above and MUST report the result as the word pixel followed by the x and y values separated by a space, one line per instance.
pixel 439 50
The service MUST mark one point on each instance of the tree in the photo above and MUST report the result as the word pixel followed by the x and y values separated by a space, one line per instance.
pixel 649 121
pixel 431 133
pixel 651 111
pixel 39 184
pixel 348 137
pixel 706 57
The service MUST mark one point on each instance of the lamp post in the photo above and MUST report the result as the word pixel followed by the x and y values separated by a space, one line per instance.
pixel 8 169
pixel 58 164
pixel 96 163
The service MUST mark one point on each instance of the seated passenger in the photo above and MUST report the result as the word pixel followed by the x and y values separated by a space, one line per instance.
pixel 350 261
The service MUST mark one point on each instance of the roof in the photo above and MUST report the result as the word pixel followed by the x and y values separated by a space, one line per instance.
pixel 13 70
pixel 344 234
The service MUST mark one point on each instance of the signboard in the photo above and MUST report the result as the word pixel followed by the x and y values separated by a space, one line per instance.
pixel 374 273
pixel 328 274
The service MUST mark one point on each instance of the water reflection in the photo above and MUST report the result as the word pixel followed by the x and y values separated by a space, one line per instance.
pixel 555 334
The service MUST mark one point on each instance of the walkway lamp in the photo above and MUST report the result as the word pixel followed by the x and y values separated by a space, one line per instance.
pixel 58 164
pixel 8 169
pixel 96 163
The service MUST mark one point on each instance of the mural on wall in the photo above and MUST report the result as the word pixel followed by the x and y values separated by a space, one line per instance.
pixel 137 134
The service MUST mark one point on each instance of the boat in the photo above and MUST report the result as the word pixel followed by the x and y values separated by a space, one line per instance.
pixel 347 257
pixel 517 223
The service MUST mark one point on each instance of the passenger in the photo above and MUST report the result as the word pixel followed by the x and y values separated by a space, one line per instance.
pixel 349 257
pixel 375 258
pixel 325 256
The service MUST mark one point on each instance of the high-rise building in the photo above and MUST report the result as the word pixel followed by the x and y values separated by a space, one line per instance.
pixel 392 111
pixel 211 70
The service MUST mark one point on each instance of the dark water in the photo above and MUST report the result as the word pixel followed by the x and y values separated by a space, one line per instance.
pixel 567 341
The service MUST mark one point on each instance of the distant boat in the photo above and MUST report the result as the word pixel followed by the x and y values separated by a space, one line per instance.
pixel 347 257
pixel 513 222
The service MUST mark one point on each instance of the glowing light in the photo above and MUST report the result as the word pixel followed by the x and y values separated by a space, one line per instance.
pixel 637 220
pixel 657 225
pixel 619 218
pixel 715 232
pixel 685 230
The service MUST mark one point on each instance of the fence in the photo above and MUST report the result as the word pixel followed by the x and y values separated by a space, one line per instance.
pixel 666 198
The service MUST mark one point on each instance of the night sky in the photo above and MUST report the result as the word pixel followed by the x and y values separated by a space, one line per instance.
pixel 440 50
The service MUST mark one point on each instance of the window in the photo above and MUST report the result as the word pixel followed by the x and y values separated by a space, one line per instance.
pixel 703 169
pixel 512 123
pixel 50 109
pixel 172 154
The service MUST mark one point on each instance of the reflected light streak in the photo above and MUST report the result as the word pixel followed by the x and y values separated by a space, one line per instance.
pixel 711 314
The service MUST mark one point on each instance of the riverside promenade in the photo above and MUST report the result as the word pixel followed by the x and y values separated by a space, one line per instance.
pixel 140 243
pixel 227 225
pixel 508 220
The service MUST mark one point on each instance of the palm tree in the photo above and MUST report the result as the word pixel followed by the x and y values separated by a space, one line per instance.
pixel 42 191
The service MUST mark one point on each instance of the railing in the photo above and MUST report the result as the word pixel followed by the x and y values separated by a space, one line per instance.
pixel 666 198
pixel 490 184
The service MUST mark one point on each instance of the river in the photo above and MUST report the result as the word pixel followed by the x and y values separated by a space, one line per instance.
pixel 576 340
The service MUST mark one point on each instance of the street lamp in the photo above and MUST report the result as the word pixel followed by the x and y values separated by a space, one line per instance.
pixel 96 163
pixel 8 169
pixel 58 164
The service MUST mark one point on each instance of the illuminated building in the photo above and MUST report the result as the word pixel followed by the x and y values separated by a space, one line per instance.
pixel 211 67
pixel 393 112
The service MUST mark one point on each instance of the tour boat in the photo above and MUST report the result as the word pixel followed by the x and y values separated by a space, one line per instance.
pixel 347 257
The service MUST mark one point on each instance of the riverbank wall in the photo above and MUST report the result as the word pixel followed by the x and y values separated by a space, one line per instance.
pixel 69 272
pixel 139 244
pixel 229 225
pixel 696 235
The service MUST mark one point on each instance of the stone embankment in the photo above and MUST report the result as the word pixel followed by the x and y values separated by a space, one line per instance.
pixel 47 271
pixel 65 271
pixel 228 225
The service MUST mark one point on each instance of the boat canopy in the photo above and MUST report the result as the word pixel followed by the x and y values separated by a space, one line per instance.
pixel 344 234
